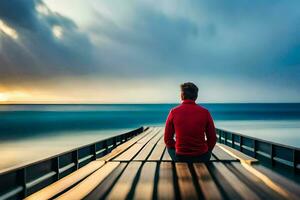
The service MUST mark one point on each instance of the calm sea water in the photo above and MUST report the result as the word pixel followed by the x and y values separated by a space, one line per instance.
pixel 31 132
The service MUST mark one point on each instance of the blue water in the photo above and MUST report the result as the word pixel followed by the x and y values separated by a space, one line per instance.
pixel 28 130
pixel 19 121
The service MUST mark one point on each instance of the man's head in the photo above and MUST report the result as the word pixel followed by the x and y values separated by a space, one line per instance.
pixel 189 91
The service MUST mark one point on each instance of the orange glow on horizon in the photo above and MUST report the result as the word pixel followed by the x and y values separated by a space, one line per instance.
pixel 3 97
pixel 7 97
pixel 35 97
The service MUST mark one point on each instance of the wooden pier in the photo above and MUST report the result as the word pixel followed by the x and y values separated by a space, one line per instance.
pixel 141 168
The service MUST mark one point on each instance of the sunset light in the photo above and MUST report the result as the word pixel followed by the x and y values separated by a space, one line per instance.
pixel 14 97
pixel 8 30
pixel 3 97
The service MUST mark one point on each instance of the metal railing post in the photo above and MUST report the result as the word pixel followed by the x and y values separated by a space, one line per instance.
pixel 254 148
pixel 76 159
pixel 272 154
pixel 225 137
pixel 57 167
pixel 106 146
pixel 241 143
pixel 23 174
pixel 296 160
pixel 115 141
pixel 94 152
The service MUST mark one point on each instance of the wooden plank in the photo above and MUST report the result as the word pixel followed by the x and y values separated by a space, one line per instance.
pixel 101 190
pixel 166 156
pixel 291 188
pixel 123 147
pixel 157 137
pixel 124 184
pixel 222 155
pixel 145 185
pixel 161 141
pixel 157 152
pixel 66 182
pixel 149 136
pixel 240 188
pixel 130 153
pixel 255 182
pixel 133 150
pixel 90 183
pixel 237 154
pixel 165 189
pixel 143 154
pixel 185 181
pixel 208 186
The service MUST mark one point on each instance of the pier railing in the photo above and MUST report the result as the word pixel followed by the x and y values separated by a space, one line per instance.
pixel 274 153
pixel 21 181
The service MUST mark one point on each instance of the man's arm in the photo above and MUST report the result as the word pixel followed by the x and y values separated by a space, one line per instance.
pixel 169 132
pixel 210 133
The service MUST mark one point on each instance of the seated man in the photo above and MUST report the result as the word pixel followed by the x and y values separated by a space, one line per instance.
pixel 190 123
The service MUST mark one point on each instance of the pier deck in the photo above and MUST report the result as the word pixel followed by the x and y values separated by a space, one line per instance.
pixel 141 168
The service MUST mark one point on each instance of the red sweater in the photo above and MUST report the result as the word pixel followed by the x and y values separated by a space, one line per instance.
pixel 191 123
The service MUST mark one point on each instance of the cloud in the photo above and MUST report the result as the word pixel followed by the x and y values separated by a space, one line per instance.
pixel 38 52
pixel 205 37
pixel 216 41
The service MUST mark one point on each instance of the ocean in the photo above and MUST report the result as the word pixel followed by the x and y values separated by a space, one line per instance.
pixel 31 132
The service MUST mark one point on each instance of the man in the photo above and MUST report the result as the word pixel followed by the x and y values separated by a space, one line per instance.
pixel 190 123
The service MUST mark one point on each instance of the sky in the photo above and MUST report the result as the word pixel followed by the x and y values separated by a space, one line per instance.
pixel 140 51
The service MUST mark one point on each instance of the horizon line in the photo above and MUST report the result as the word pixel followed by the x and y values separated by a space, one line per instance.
pixel 131 103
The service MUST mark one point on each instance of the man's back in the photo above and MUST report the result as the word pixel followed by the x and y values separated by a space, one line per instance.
pixel 190 123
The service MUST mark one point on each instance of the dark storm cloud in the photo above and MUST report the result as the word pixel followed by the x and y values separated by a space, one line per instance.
pixel 153 43
pixel 215 38
pixel 240 40
pixel 37 53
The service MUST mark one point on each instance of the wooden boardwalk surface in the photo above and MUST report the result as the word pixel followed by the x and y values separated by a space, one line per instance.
pixel 141 168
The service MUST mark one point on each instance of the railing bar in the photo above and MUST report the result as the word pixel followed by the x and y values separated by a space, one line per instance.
pixel 40 179
pixel 261 140
pixel 247 148
pixel 65 168
pixel 22 184
pixel 271 154
pixel 283 161
pixel 12 193
pixel 133 132
pixel 85 158
pixel 100 151
pixel 263 154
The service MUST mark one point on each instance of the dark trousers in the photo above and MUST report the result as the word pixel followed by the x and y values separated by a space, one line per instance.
pixel 181 158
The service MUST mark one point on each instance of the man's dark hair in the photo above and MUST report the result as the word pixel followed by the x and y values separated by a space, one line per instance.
pixel 189 91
